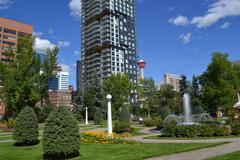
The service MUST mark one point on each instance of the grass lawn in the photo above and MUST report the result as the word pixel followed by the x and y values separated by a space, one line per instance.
pixel 184 138
pixel 230 156
pixel 102 151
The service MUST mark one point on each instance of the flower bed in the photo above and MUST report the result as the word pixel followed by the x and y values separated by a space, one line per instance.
pixel 104 138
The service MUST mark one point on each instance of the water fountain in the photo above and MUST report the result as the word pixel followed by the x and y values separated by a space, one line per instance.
pixel 188 117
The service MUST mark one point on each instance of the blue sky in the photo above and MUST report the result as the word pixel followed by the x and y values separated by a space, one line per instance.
pixel 172 36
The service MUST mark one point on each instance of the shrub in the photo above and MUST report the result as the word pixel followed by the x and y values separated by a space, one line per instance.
pixel 10 123
pixel 169 126
pixel 188 131
pixel 121 127
pixel 61 138
pixel 98 117
pixel 124 114
pixel 154 121
pixel 26 129
pixel 103 138
pixel 205 130
pixel 220 130
pixel 43 113
pixel 235 126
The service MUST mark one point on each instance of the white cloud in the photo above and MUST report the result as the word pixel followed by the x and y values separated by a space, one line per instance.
pixel 65 67
pixel 4 4
pixel 63 43
pixel 225 25
pixel 185 38
pixel 77 53
pixel 179 21
pixel 37 34
pixel 218 10
pixel 75 6
pixel 41 45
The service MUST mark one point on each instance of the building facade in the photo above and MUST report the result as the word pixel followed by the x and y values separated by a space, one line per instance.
pixel 59 82
pixel 108 39
pixel 173 80
pixel 10 31
pixel 79 75
pixel 59 98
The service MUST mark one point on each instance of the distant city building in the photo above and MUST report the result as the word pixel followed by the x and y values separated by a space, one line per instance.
pixel 10 31
pixel 79 75
pixel 60 82
pixel 60 98
pixel 173 80
pixel 42 57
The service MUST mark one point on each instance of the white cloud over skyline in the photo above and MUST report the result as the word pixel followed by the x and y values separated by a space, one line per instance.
pixel 179 21
pixel 75 7
pixel 41 45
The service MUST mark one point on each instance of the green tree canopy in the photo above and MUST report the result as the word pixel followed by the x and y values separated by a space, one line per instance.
pixel 119 86
pixel 220 83
pixel 23 77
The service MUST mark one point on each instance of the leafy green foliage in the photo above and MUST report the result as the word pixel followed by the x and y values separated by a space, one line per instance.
pixel 98 116
pixel 235 126
pixel 93 97
pixel 169 126
pixel 219 83
pixel 23 85
pixel 26 129
pixel 119 86
pixel 124 114
pixel 188 131
pixel 61 138
pixel 43 113
pixel 121 127
pixel 10 123
pixel 153 121
pixel 78 106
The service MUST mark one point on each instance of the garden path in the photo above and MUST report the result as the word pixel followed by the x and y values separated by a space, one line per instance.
pixel 201 154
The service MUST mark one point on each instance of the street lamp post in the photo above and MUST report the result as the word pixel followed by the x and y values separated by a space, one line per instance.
pixel 86 118
pixel 109 111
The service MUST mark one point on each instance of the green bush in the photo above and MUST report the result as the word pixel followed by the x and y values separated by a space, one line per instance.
pixel 169 126
pixel 124 115
pixel 205 130
pixel 98 117
pixel 26 128
pixel 220 130
pixel 188 131
pixel 43 113
pixel 10 123
pixel 154 121
pixel 235 126
pixel 121 127
pixel 61 138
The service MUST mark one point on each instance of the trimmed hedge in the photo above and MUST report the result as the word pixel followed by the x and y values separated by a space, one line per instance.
pixel 153 121
pixel 26 128
pixel 169 126
pixel 235 126
pixel 61 138
pixel 122 127
pixel 191 131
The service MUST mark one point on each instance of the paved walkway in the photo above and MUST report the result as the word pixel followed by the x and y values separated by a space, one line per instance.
pixel 200 154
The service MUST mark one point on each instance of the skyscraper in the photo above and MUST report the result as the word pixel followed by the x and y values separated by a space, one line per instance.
pixel 108 39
